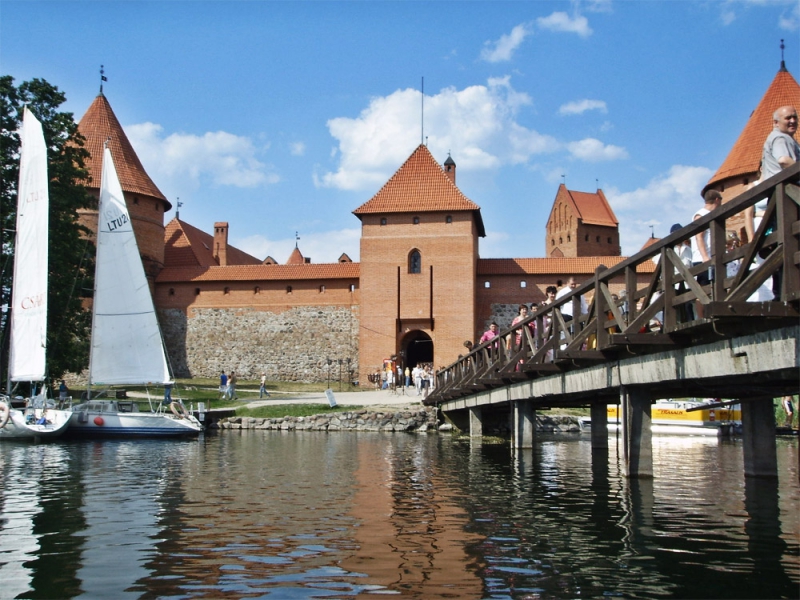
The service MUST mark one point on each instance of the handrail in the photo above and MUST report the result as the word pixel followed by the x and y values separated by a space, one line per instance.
pixel 546 342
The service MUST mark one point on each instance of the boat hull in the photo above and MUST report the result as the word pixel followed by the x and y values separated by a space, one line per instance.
pixel 105 419
pixel 674 418
pixel 18 427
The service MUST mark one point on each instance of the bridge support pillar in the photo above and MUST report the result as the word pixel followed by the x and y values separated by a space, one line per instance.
pixel 599 415
pixel 637 436
pixel 758 438
pixel 524 425
pixel 475 422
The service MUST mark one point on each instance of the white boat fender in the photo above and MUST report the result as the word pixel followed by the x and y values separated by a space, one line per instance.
pixel 5 413
pixel 178 409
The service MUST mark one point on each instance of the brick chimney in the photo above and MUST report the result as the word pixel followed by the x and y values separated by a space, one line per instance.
pixel 221 243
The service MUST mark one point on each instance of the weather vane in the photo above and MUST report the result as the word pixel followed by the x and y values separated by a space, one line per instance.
pixel 179 204
pixel 296 238
pixel 102 78
pixel 652 232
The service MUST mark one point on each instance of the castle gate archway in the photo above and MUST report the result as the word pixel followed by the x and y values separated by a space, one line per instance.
pixel 417 347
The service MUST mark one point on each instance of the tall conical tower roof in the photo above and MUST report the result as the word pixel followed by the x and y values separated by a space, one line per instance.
pixel 420 185
pixel 99 124
pixel 745 156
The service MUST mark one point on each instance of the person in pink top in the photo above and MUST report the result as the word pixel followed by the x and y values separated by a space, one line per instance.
pixel 489 334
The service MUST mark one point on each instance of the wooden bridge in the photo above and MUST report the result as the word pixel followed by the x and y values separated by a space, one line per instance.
pixel 673 337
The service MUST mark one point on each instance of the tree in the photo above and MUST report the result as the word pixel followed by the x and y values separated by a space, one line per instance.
pixel 71 254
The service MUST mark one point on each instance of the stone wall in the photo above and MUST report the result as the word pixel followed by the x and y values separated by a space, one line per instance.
pixel 291 345
pixel 360 420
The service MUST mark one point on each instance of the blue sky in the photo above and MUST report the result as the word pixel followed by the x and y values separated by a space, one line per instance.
pixel 286 116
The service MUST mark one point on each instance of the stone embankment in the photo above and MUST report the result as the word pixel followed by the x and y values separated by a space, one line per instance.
pixel 420 420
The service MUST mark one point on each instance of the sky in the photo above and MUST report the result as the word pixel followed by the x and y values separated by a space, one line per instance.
pixel 281 118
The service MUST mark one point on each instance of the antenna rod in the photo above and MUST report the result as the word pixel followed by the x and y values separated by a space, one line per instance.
pixel 422 120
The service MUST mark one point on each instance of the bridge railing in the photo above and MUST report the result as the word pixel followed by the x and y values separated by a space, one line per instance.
pixel 671 309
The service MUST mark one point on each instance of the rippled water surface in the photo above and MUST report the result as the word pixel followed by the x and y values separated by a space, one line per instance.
pixel 315 515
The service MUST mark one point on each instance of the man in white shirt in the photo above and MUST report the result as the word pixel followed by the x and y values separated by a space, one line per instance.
pixel 566 309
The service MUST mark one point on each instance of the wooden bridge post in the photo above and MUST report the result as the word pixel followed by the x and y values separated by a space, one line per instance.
pixel 599 416
pixel 524 425
pixel 637 437
pixel 475 421
pixel 758 438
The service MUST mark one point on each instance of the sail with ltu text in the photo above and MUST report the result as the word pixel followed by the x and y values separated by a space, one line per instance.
pixel 126 340
pixel 28 345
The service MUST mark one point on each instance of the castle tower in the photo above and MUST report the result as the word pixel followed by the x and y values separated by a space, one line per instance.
pixel 581 224
pixel 743 164
pixel 146 203
pixel 419 253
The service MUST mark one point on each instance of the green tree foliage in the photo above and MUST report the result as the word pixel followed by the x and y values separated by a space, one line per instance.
pixel 71 255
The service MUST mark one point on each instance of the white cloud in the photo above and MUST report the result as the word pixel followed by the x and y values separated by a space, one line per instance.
pixel 578 107
pixel 790 20
pixel 561 21
pixel 593 150
pixel 321 247
pixel 667 199
pixel 477 123
pixel 297 148
pixel 182 160
pixel 503 49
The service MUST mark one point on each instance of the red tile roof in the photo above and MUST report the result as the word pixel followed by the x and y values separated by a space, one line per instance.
pixel 420 185
pixel 552 266
pixel 260 272
pixel 591 208
pixel 296 257
pixel 187 246
pixel 99 124
pixel 650 241
pixel 745 156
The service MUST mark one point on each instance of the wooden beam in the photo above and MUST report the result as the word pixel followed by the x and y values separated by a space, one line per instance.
pixel 751 309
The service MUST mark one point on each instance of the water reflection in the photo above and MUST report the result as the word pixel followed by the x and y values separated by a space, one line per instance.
pixel 312 515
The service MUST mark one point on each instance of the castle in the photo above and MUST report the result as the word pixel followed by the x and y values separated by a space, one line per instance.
pixel 418 293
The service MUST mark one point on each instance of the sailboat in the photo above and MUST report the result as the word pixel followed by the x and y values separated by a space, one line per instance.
pixel 35 417
pixel 126 343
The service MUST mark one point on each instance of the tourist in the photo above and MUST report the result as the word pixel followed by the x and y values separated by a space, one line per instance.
pixel 263 389
pixel 788 408
pixel 63 391
pixel 468 345
pixel 566 309
pixel 231 392
pixel 407 374
pixel 223 385
pixel 732 242
pixel 416 373
pixel 521 316
pixel 490 334
pixel 701 243
pixel 550 292
pixel 167 392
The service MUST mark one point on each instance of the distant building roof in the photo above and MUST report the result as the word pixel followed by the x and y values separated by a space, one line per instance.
pixel 187 246
pixel 259 272
pixel 296 257
pixel 591 208
pixel 650 241
pixel 98 125
pixel 745 156
pixel 552 266
pixel 420 185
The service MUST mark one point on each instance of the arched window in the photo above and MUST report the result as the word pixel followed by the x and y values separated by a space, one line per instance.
pixel 586 238
pixel 322 289
pixel 288 289
pixel 598 238
pixel 449 218
pixel 383 221
pixel 256 290
pixel 416 220
pixel 415 262
pixel 569 238
pixel 609 240
pixel 196 291
pixel 227 290
pixel 523 284
pixel 171 291
pixel 352 287
pixel 487 284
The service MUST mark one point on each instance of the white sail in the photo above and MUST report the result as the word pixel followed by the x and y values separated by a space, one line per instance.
pixel 29 293
pixel 126 340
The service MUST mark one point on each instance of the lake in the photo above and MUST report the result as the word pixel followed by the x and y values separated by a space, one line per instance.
pixel 257 514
